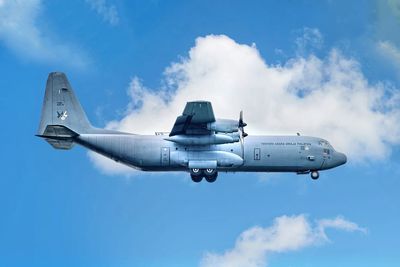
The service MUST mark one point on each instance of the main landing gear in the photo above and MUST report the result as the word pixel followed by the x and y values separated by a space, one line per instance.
pixel 198 174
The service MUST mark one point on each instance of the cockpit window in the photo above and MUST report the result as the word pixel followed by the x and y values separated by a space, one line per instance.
pixel 323 143
pixel 327 151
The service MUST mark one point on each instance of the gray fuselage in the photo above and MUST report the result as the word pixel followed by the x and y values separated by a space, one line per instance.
pixel 251 154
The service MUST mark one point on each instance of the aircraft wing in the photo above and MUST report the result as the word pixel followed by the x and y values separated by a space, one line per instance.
pixel 194 119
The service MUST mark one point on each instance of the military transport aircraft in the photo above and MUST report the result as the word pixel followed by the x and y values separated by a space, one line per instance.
pixel 198 142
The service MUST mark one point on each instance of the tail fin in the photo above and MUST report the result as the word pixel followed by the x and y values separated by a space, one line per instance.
pixel 62 116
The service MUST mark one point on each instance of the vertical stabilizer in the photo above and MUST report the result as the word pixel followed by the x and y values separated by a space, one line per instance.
pixel 61 107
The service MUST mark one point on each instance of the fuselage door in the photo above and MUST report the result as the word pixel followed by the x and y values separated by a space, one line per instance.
pixel 165 156
pixel 257 153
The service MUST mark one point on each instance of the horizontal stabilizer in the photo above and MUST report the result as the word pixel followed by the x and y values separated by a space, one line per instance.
pixel 60 144
pixel 60 137
pixel 58 132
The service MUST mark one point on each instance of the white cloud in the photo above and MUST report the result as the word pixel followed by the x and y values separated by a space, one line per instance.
pixel 390 52
pixel 109 13
pixel 327 97
pixel 309 39
pixel 288 233
pixel 19 30
pixel 110 167
pixel 337 223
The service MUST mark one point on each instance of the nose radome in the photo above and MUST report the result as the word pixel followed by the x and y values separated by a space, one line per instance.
pixel 342 159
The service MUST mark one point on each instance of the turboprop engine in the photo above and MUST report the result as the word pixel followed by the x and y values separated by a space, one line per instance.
pixel 228 126
pixel 224 126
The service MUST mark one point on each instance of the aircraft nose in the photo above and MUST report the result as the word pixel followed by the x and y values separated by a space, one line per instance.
pixel 341 158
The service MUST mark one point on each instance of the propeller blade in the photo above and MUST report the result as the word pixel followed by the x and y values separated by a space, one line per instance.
pixel 242 124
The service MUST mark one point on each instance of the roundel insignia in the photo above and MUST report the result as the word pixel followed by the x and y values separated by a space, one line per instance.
pixel 62 115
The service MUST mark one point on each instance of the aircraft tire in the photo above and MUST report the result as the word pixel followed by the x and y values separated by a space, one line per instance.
pixel 209 172
pixel 196 175
pixel 196 178
pixel 314 175
pixel 211 178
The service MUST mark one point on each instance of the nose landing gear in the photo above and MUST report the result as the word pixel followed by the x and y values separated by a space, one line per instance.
pixel 314 175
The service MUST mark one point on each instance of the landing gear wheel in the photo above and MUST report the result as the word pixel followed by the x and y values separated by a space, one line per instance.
pixel 314 175
pixel 196 175
pixel 196 179
pixel 209 172
pixel 195 172
pixel 211 175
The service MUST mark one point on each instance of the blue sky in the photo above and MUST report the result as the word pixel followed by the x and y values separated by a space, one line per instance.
pixel 63 208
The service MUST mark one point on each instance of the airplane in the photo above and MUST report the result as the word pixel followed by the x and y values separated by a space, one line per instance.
pixel 198 142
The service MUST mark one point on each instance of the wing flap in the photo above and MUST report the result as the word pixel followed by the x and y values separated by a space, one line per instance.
pixel 181 124
pixel 194 119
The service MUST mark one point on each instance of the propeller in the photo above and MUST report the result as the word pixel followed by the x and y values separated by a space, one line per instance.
pixel 242 124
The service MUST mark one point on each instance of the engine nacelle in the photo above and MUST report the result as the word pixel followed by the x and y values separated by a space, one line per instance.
pixel 224 126
pixel 235 136
pixel 201 140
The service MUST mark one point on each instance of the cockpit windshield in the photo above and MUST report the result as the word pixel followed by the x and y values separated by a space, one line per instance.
pixel 324 143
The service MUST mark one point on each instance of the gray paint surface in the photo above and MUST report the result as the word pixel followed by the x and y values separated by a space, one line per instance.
pixel 64 123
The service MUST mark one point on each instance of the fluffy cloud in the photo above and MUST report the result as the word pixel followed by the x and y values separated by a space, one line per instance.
pixel 390 52
pixel 327 97
pixel 19 30
pixel 107 12
pixel 310 38
pixel 288 233
pixel 110 167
